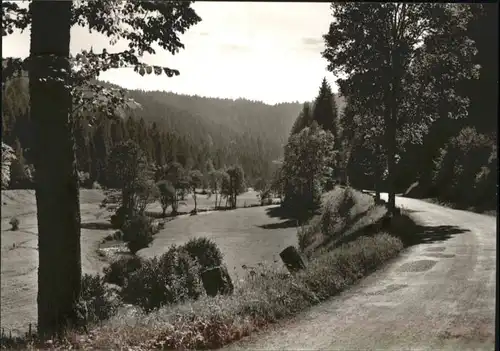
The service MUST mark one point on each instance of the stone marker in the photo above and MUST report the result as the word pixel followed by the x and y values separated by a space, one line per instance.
pixel 216 280
pixel 292 259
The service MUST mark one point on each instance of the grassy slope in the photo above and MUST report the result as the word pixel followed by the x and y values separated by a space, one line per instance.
pixel 20 256
pixel 214 322
pixel 236 232
pixel 341 221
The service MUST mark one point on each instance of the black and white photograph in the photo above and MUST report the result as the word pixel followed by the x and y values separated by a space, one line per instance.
pixel 236 175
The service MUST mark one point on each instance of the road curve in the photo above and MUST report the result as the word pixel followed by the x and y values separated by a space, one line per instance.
pixel 439 295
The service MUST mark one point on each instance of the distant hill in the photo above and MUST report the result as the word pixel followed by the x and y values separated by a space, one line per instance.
pixel 248 132
pixel 269 123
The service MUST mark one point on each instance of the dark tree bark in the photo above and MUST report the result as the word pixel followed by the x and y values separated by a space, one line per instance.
pixel 57 197
pixel 217 280
pixel 390 115
pixel 292 259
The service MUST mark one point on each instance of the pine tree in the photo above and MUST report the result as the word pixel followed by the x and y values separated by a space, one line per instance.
pixel 303 120
pixel 325 109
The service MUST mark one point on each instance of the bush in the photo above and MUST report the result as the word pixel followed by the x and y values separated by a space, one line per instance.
pixel 205 251
pixel 119 218
pixel 119 270
pixel 172 278
pixel 99 301
pixel 465 170
pixel 14 222
pixel 137 233
pixel 264 298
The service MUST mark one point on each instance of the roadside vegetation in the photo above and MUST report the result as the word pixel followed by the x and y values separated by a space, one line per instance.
pixel 161 302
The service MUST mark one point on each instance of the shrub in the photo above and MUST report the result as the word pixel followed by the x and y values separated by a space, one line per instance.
pixel 14 222
pixel 205 251
pixel 119 218
pixel 265 298
pixel 463 171
pixel 172 278
pixel 119 270
pixel 99 301
pixel 137 233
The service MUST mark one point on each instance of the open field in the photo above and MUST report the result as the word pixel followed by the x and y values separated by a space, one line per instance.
pixel 245 236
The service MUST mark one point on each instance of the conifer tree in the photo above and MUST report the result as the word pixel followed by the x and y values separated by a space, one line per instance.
pixel 325 109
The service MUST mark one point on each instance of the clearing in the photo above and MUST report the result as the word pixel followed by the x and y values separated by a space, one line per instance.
pixel 245 236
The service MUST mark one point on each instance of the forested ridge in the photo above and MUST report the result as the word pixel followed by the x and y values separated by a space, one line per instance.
pixel 171 127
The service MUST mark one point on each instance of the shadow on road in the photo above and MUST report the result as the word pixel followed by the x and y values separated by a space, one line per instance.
pixel 406 229
pixel 430 234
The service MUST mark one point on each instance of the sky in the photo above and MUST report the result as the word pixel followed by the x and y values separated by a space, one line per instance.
pixel 266 51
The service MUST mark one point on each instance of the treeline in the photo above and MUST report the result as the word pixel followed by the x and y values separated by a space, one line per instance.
pixel 419 119
pixel 169 128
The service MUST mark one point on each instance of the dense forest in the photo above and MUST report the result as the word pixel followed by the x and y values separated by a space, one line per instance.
pixel 169 127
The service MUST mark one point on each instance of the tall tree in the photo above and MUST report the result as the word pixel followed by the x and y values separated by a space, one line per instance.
pixel 303 120
pixel 52 84
pixel 195 178
pixel 57 196
pixel 325 109
pixel 384 47
pixel 127 171
pixel 483 29
pixel 305 171
pixel 236 183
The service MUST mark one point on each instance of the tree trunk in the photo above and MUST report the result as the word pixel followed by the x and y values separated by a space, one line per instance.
pixel 215 199
pixel 390 116
pixel 57 197
pixel 292 259
pixel 391 150
pixel 195 202
pixel 377 184
pixel 127 201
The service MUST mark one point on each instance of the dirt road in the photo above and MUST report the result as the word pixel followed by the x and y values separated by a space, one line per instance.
pixel 440 295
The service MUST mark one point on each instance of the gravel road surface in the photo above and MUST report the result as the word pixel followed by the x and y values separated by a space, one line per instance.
pixel 440 295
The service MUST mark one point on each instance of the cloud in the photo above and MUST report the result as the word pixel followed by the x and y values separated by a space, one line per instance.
pixel 314 44
pixel 203 34
pixel 312 41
